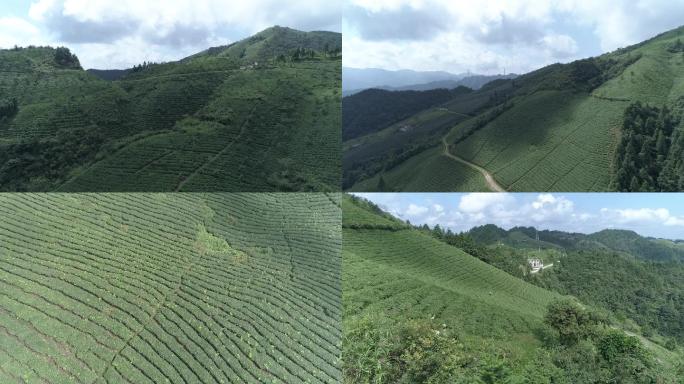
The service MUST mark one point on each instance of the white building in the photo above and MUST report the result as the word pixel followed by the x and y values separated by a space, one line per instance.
pixel 536 265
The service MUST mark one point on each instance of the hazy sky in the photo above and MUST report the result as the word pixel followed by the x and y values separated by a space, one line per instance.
pixel 122 33
pixel 654 214
pixel 486 36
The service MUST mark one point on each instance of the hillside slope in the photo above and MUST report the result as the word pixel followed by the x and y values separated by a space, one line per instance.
pixel 153 288
pixel 567 128
pixel 628 242
pixel 416 309
pixel 262 114
pixel 393 274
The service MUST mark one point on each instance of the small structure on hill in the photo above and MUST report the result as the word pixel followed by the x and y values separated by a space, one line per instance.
pixel 536 265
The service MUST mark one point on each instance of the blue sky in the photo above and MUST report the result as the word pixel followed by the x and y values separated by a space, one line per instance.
pixel 649 214
pixel 121 33
pixel 488 36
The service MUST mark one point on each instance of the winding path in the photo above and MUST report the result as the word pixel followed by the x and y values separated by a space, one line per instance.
pixel 491 183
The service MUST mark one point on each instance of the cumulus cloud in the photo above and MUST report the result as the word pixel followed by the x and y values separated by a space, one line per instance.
pixel 460 212
pixel 519 35
pixel 18 31
pixel 642 216
pixel 478 202
pixel 416 210
pixel 128 29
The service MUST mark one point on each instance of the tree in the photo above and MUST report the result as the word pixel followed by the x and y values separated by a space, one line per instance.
pixel 8 107
pixel 64 58
pixel 382 187
pixel 572 322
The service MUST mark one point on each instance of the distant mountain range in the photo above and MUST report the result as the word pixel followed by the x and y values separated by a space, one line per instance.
pixel 355 80
pixel 625 241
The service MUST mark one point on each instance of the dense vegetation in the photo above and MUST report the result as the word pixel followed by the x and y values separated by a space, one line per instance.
pixel 417 308
pixel 231 118
pixel 8 108
pixel 644 248
pixel 563 131
pixel 650 154
pixel 636 278
pixel 369 157
pixel 180 288
pixel 375 109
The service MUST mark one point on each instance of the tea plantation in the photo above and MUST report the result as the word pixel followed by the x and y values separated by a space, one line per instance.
pixel 262 114
pixel 555 129
pixel 417 309
pixel 181 288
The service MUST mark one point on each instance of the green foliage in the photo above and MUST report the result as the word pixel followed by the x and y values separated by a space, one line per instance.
pixel 676 47
pixel 65 59
pixel 572 322
pixel 8 108
pixel 400 284
pixel 417 351
pixel 375 109
pixel 45 162
pixel 204 123
pixel 559 135
pixel 196 288
pixel 648 157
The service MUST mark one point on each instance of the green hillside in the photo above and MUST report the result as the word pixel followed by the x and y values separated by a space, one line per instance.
pixel 628 242
pixel 611 122
pixel 416 309
pixel 154 288
pixel 262 114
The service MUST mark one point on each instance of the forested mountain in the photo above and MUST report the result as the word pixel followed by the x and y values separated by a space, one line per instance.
pixel 425 305
pixel 629 242
pixel 611 122
pixel 358 79
pixel 374 109
pixel 262 114
pixel 471 81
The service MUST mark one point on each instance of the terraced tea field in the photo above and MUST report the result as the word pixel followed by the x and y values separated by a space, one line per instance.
pixel 559 130
pixel 182 288
pixel 399 274
pixel 217 121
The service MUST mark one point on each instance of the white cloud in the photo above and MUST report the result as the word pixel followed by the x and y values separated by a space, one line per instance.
pixel 121 33
pixel 643 216
pixel 18 31
pixel 416 210
pixel 519 35
pixel 544 211
pixel 477 202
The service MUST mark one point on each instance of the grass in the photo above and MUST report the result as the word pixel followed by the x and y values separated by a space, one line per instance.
pixel 211 288
pixel 210 122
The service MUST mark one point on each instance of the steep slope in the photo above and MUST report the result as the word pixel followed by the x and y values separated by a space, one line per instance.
pixel 258 115
pixel 393 274
pixel 563 123
pixel 386 152
pixel 375 109
pixel 151 288
pixel 416 309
